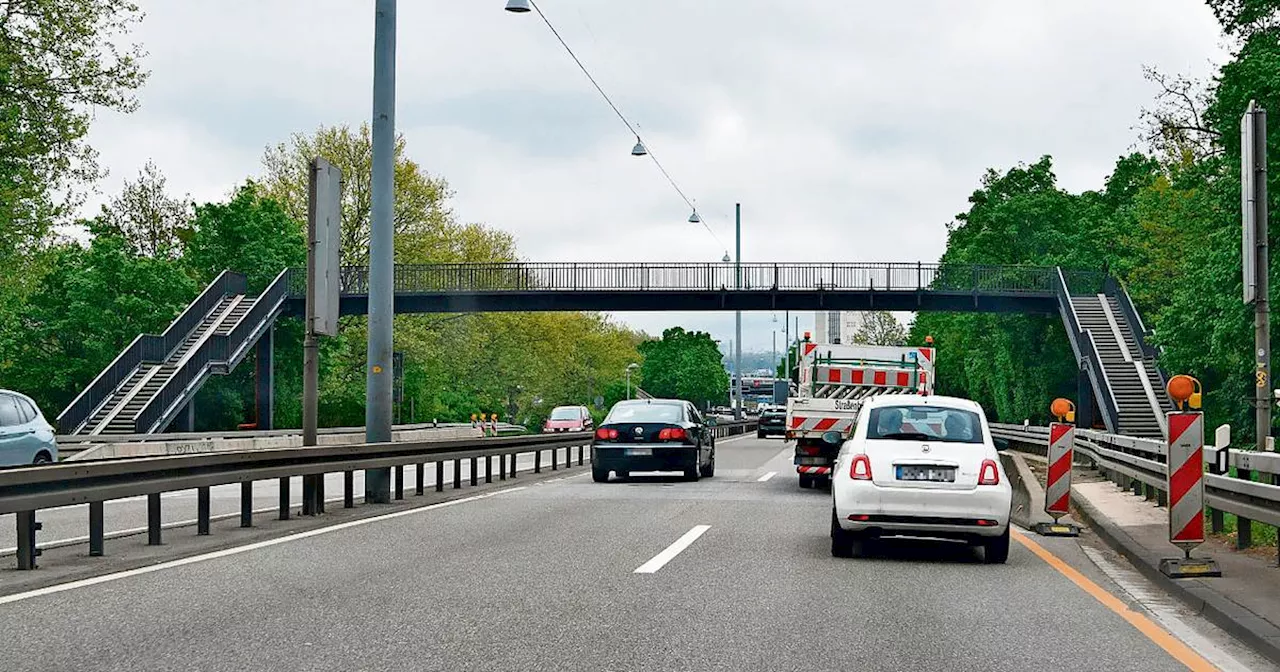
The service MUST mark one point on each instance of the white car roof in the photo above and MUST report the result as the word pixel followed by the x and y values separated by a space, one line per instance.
pixel 922 400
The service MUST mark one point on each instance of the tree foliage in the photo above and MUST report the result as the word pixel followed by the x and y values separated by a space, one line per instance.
pixel 59 61
pixel 146 217
pixel 880 327
pixel 684 365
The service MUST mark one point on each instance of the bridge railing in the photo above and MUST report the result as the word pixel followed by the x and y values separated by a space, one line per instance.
pixel 644 276
pixel 1140 464
pixel 24 491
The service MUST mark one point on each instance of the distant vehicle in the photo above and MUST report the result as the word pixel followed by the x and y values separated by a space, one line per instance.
pixel 653 435
pixel 920 466
pixel 25 436
pixel 773 422
pixel 834 381
pixel 568 419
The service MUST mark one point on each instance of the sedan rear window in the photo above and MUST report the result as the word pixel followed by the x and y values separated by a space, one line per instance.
pixel 924 423
pixel 566 413
pixel 670 413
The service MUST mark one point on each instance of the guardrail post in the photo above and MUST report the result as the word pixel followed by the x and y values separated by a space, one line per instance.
pixel 308 495
pixel 348 490
pixel 457 474
pixel 246 504
pixel 285 504
pixel 568 458
pixel 95 529
pixel 422 468
pixel 399 481
pixel 554 466
pixel 202 511
pixel 537 461
pixel 488 468
pixel 153 519
pixel 502 467
pixel 27 528
pixel 1244 526
pixel 579 456
pixel 513 464
pixel 439 476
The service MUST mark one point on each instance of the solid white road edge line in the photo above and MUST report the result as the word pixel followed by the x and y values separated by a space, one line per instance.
pixel 766 477
pixel 669 553
pixel 84 583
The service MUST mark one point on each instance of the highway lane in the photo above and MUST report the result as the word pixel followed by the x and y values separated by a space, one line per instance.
pixel 545 576
pixel 130 515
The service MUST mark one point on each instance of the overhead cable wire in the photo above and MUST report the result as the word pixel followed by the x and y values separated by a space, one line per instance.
pixel 626 122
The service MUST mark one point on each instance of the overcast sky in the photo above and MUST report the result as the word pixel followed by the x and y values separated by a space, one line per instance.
pixel 849 131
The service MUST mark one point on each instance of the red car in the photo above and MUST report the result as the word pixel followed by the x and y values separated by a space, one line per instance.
pixel 568 419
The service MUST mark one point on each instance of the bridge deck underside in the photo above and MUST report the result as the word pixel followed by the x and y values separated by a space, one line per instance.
pixel 710 300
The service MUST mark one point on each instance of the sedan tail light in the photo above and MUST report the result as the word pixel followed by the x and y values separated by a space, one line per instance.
pixel 606 434
pixel 860 468
pixel 988 473
pixel 672 434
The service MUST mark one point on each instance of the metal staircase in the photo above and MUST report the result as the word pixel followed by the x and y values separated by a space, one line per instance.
pixel 156 376
pixel 1109 341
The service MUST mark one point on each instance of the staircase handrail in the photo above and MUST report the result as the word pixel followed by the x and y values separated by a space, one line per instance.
pixel 217 349
pixel 1087 356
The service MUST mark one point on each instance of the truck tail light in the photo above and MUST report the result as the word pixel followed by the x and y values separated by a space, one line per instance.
pixel 809 450
pixel 988 473
pixel 860 468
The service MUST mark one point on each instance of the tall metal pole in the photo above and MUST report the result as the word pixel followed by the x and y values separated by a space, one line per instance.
pixel 377 482
pixel 1262 303
pixel 737 272
pixel 310 350
pixel 786 369
pixel 628 382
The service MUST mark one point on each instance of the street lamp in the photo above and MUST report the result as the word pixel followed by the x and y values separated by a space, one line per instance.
pixel 518 6
pixel 630 368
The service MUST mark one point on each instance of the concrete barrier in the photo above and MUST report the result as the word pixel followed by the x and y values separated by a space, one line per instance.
pixel 111 451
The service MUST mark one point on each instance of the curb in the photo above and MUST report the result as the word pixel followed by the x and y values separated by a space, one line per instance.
pixel 1241 623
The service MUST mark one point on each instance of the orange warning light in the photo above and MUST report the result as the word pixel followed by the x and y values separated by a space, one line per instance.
pixel 1184 389
pixel 806 335
pixel 928 340
pixel 1060 407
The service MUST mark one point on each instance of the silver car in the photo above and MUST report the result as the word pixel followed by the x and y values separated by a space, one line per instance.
pixel 25 436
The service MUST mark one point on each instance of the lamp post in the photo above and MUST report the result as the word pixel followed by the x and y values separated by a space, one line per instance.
pixel 377 482
pixel 630 367
pixel 737 320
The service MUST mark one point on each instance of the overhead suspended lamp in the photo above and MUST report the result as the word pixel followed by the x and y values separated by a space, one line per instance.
pixel 518 6
pixel 726 258
pixel 639 149
pixel 694 218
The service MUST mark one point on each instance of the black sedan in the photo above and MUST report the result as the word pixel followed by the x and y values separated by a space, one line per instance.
pixel 773 421
pixel 653 435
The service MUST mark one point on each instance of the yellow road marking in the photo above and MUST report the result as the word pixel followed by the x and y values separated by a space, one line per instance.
pixel 1180 652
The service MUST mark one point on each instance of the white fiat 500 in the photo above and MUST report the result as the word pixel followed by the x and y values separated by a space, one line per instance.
pixel 920 466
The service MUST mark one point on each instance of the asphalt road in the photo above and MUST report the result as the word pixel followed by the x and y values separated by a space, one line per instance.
pixel 130 515
pixel 543 576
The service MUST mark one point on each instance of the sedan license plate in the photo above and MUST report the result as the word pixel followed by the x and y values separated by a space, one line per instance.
pixel 639 451
pixel 926 473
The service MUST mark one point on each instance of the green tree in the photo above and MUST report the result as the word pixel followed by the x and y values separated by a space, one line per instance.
pixel 146 217
pixel 92 303
pixel 249 234
pixel 880 327
pixel 684 365
pixel 426 228
pixel 60 61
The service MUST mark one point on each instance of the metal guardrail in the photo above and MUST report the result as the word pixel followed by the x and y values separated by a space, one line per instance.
pixel 1140 464
pixel 80 439
pixel 26 490
pixel 611 276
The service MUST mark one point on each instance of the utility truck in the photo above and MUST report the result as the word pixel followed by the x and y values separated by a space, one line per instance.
pixel 833 382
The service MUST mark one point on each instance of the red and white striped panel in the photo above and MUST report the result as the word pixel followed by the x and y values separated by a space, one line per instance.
pixel 819 424
pixel 845 375
pixel 806 469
